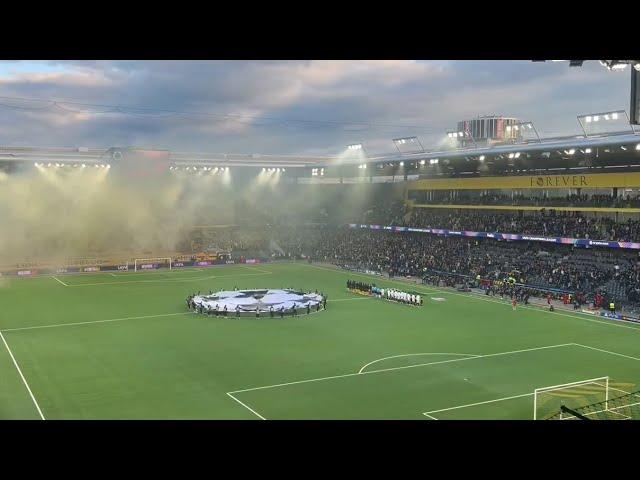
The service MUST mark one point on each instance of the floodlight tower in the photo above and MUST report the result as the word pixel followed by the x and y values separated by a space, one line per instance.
pixel 619 65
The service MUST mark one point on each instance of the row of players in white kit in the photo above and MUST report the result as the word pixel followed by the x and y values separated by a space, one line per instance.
pixel 399 296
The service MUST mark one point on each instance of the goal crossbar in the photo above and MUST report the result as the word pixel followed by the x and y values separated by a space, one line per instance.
pixel 147 261
pixel 600 381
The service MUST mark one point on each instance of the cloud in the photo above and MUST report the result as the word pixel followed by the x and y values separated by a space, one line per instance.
pixel 380 100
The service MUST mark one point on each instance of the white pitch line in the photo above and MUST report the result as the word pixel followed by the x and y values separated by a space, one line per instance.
pixel 189 279
pixel 432 418
pixel 94 321
pixel 607 351
pixel 416 354
pixel 478 403
pixel 35 402
pixel 401 368
pixel 349 299
pixel 60 281
pixel 247 407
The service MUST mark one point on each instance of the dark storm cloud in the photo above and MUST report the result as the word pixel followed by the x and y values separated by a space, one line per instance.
pixel 430 96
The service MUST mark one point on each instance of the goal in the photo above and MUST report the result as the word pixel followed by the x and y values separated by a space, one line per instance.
pixel 548 401
pixel 151 263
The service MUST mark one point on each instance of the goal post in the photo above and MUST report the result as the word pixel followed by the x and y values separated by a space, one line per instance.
pixel 151 263
pixel 548 401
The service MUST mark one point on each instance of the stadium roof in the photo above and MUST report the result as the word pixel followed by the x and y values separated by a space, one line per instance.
pixel 545 145
pixel 87 155
pixel 37 154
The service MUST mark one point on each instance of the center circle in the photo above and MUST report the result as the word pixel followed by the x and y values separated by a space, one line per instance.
pixel 256 302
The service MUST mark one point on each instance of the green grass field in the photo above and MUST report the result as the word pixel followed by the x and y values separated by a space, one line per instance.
pixel 123 346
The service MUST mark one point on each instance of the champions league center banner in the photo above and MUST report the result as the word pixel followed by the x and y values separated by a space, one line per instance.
pixel 578 242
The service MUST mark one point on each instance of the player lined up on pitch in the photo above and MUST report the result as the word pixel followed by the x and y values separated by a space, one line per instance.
pixel 392 294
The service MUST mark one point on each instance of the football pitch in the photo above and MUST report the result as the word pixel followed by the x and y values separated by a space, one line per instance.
pixel 124 346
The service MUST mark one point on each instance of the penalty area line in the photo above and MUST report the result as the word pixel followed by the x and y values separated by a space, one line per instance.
pixel 33 398
pixel 60 281
pixel 247 407
pixel 404 367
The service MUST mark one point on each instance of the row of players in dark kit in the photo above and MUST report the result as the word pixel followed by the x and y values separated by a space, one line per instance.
pixel 359 286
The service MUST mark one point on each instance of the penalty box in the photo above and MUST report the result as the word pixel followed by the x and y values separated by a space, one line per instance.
pixel 438 385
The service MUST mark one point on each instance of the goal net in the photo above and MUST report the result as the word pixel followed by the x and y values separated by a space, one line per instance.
pixel 624 406
pixel 151 263
pixel 555 400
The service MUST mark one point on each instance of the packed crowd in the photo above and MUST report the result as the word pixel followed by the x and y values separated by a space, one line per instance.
pixel 447 259
pixel 570 200
pixel 547 223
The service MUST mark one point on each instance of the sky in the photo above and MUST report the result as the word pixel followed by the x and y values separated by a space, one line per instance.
pixel 289 107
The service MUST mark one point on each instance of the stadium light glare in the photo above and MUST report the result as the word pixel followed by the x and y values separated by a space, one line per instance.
pixel 433 161
pixel 587 150
pixel 638 146
pixel 422 162
pixel 481 158
pixel 354 146
pixel 402 164
pixel 619 115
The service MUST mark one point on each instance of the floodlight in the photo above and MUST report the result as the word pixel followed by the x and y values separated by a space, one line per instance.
pixel 354 146
pixel 433 161
pixel 619 115
pixel 109 165
pixel 638 146
pixel 481 158
pixel 587 150
pixel 402 164
pixel 511 155
pixel 408 141
pixel 422 162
